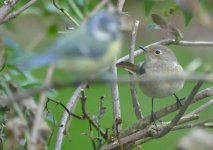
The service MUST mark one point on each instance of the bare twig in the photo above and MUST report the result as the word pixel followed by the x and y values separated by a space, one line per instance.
pixel 66 119
pixel 115 100
pixel 201 108
pixel 87 116
pixel 65 13
pixel 120 5
pixel 6 8
pixel 38 117
pixel 64 107
pixel 17 12
pixel 135 102
pixel 200 123
pixel 170 42
pixel 116 105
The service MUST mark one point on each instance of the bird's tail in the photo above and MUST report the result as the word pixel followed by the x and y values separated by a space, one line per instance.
pixel 36 61
pixel 128 66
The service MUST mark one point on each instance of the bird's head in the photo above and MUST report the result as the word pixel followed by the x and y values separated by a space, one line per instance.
pixel 158 53
pixel 104 26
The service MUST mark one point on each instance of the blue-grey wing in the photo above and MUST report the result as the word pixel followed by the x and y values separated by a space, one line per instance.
pixel 140 69
pixel 85 47
pixel 65 47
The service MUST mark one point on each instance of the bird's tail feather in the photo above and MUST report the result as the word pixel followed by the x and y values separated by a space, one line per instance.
pixel 37 61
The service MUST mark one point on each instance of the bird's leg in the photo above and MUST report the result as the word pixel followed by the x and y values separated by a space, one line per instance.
pixel 153 116
pixel 179 102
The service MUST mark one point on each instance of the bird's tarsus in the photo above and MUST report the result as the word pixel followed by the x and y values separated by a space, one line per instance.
pixel 179 100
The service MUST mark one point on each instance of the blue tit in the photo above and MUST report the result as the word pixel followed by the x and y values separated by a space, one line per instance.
pixel 84 51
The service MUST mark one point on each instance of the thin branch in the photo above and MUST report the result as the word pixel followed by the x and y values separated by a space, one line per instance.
pixel 141 124
pixel 120 5
pixel 200 123
pixel 135 102
pixel 170 42
pixel 201 108
pixel 17 12
pixel 66 119
pixel 65 13
pixel 64 107
pixel 116 105
pixel 115 100
pixel 6 8
pixel 87 116
pixel 38 117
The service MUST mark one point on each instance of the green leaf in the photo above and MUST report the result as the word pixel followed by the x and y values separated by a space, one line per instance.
pixel 159 21
pixel 187 16
pixel 171 11
pixel 148 4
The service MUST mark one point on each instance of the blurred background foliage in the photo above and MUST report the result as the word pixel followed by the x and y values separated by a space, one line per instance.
pixel 39 25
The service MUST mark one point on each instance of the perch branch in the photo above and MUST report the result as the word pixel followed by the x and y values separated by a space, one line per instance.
pixel 201 108
pixel 120 5
pixel 66 119
pixel 200 123
pixel 170 42
pixel 38 117
pixel 17 12
pixel 115 100
pixel 135 102
pixel 87 116
pixel 6 8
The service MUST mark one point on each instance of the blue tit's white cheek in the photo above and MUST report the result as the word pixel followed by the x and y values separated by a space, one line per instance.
pixel 101 35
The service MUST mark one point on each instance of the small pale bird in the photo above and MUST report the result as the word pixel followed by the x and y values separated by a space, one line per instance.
pixel 84 51
pixel 159 62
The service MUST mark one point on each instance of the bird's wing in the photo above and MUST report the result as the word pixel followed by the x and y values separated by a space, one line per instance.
pixel 79 44
pixel 140 68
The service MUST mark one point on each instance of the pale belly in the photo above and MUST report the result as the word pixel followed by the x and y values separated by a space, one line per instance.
pixel 160 88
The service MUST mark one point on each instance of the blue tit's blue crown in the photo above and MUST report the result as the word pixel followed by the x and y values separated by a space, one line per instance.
pixel 104 26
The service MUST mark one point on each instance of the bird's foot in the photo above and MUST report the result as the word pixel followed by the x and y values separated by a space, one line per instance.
pixel 179 101
pixel 154 119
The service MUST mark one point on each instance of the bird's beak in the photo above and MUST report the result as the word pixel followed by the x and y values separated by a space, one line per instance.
pixel 141 47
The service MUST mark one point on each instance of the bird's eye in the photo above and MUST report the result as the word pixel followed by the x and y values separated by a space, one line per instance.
pixel 157 52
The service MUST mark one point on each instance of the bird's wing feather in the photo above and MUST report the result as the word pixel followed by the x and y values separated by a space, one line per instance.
pixel 140 69
pixel 80 45
pixel 76 44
